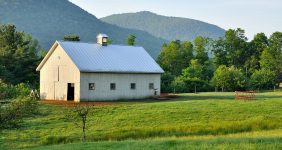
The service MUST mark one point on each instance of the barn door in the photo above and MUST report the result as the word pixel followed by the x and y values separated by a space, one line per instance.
pixel 70 94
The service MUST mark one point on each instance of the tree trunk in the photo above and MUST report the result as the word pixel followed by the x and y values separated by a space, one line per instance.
pixel 83 128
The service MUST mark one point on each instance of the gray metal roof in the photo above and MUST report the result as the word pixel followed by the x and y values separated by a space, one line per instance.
pixel 102 35
pixel 90 57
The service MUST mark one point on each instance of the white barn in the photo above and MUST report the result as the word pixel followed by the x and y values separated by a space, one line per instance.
pixel 98 72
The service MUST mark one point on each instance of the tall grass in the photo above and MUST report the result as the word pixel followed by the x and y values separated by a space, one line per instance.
pixel 191 115
pixel 169 144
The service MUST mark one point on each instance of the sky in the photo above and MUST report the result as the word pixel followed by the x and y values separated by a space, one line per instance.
pixel 253 16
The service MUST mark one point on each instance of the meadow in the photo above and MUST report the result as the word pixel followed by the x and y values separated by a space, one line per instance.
pixel 192 121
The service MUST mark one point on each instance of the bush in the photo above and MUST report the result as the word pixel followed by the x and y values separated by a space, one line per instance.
pixel 11 114
pixel 22 89
pixel 262 79
pixel 10 91
pixel 228 78
pixel 6 91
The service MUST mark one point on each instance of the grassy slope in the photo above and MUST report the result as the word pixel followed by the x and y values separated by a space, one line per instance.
pixel 214 115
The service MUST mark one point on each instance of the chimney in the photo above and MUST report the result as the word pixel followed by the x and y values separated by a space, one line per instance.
pixel 102 39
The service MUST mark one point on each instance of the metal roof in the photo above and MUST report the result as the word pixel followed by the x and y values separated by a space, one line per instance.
pixel 90 57
pixel 102 35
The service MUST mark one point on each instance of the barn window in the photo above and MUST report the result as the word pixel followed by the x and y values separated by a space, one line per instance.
pixel 113 86
pixel 133 86
pixel 91 86
pixel 151 86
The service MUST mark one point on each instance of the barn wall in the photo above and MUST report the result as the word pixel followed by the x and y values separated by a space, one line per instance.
pixel 53 81
pixel 102 86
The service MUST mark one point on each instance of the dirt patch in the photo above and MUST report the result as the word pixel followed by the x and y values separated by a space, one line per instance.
pixel 168 95
pixel 72 103
pixel 163 97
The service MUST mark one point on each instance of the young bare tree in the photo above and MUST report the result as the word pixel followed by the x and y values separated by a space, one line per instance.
pixel 79 115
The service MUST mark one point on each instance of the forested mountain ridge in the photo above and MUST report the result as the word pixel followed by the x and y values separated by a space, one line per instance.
pixel 50 20
pixel 169 28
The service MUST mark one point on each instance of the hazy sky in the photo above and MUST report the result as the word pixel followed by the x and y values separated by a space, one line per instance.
pixel 252 15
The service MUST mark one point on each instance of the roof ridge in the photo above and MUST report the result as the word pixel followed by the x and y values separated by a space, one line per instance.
pixel 98 44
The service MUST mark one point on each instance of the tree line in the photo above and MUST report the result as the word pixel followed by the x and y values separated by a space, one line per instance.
pixel 228 63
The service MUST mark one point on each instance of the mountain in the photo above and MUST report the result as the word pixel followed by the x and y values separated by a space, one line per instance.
pixel 50 20
pixel 169 28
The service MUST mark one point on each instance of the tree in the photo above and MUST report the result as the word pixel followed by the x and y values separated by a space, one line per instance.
pixel 263 79
pixel 110 41
pixel 200 49
pixel 175 56
pixel 258 44
pixel 256 47
pixel 275 49
pixel 79 116
pixel 228 78
pixel 72 37
pixel 18 56
pixel 232 49
pixel 236 46
pixel 220 53
pixel 166 84
pixel 131 40
pixel 191 77
pixel 267 61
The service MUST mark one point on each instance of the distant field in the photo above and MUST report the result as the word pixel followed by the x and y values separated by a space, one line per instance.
pixel 197 121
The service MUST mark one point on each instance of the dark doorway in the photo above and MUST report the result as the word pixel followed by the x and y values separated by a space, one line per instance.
pixel 70 96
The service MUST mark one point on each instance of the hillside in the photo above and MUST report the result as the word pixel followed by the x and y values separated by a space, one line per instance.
pixel 50 20
pixel 169 28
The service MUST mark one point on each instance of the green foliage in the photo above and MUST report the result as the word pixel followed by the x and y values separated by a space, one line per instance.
pixel 275 49
pixel 13 113
pixel 175 56
pixel 71 37
pixel 267 61
pixel 8 91
pixel 131 40
pixel 168 28
pixel 263 79
pixel 219 52
pixel 256 47
pixel 191 78
pixel 232 48
pixel 200 49
pixel 166 82
pixel 228 78
pixel 18 56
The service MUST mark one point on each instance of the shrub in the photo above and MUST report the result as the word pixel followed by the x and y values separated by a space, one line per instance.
pixel 228 78
pixel 262 79
pixel 6 91
pixel 11 114
pixel 10 91
pixel 22 89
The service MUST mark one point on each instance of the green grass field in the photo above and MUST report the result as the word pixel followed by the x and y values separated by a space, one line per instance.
pixel 193 121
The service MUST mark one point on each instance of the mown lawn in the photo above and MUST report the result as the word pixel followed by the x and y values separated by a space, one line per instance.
pixel 200 121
